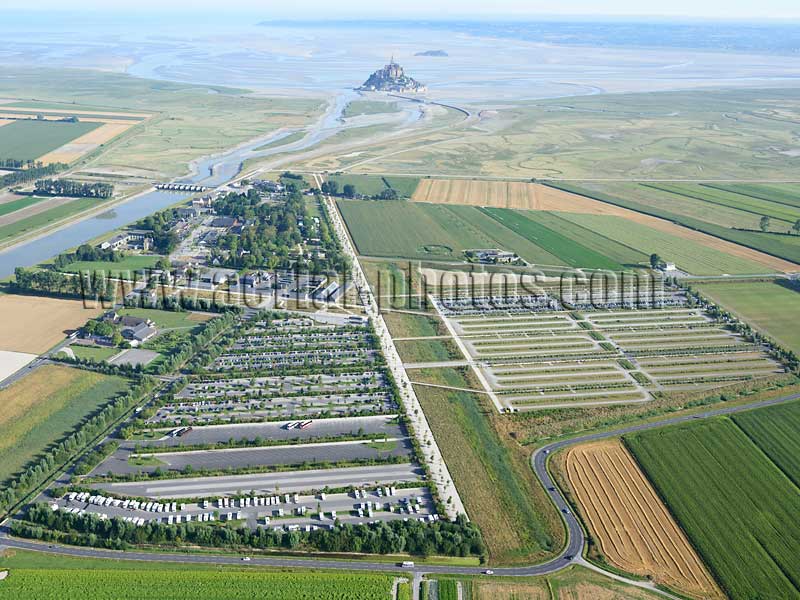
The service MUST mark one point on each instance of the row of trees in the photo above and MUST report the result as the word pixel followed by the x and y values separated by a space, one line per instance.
pixel 30 173
pixel 87 286
pixel 765 223
pixel 70 187
pixel 459 538
pixel 349 190
pixel 55 456
pixel 16 163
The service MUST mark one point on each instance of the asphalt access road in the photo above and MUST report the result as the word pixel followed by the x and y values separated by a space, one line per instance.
pixel 214 434
pixel 568 555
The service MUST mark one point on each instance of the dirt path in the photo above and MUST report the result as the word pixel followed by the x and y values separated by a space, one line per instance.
pixel 633 528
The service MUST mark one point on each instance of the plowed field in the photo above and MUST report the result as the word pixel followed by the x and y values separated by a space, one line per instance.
pixel 630 523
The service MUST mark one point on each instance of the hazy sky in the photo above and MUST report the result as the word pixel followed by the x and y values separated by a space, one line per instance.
pixel 442 9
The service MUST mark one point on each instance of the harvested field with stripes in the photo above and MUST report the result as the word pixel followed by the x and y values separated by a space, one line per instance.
pixel 555 359
pixel 634 530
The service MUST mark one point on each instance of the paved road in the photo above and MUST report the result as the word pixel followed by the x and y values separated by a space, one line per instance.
pixel 570 554
pixel 266 483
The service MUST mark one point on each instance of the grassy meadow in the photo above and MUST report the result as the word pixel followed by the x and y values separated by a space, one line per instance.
pixel 496 485
pixel 46 405
pixel 771 307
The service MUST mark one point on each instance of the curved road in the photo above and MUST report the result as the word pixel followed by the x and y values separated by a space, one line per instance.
pixel 571 553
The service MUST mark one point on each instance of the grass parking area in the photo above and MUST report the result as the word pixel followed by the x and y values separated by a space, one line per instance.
pixel 772 307
pixel 33 575
pixel 422 351
pixel 46 405
pixel 496 484
pixel 95 353
pixel 127 266
pixel 735 504
pixel 167 319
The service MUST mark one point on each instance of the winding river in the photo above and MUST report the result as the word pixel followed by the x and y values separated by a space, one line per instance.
pixel 210 171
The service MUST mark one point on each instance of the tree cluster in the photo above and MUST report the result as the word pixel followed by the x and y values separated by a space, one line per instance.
pixel 88 253
pixel 86 286
pixel 160 223
pixel 273 235
pixel 459 538
pixel 72 188
pixel 30 172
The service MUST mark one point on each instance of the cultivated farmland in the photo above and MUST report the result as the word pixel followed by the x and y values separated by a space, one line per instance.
pixel 44 406
pixel 633 528
pixel 737 508
pixel 35 324
pixel 29 139
pixel 106 584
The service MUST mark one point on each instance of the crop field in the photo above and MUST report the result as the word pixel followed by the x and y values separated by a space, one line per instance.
pixel 714 225
pixel 774 430
pixel 504 194
pixel 687 254
pixel 108 583
pixel 15 205
pixel 34 324
pixel 45 405
pixel 584 233
pixel 427 231
pixel 30 139
pixel 568 249
pixel 58 211
pixel 633 528
pixel 771 307
pixel 555 359
pixel 736 506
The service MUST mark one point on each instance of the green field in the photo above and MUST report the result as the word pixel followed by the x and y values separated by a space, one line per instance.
pixel 431 231
pixel 774 430
pixel 95 353
pixel 46 405
pixel 435 350
pixel 686 254
pixel 9 207
pixel 372 185
pixel 568 249
pixel 496 485
pixel 164 319
pixel 128 265
pixel 713 219
pixel 35 576
pixel 47 217
pixel 770 307
pixel 30 139
pixel 737 507
pixel 727 197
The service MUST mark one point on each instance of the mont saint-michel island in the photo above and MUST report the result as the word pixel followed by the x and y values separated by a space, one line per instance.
pixel 392 78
